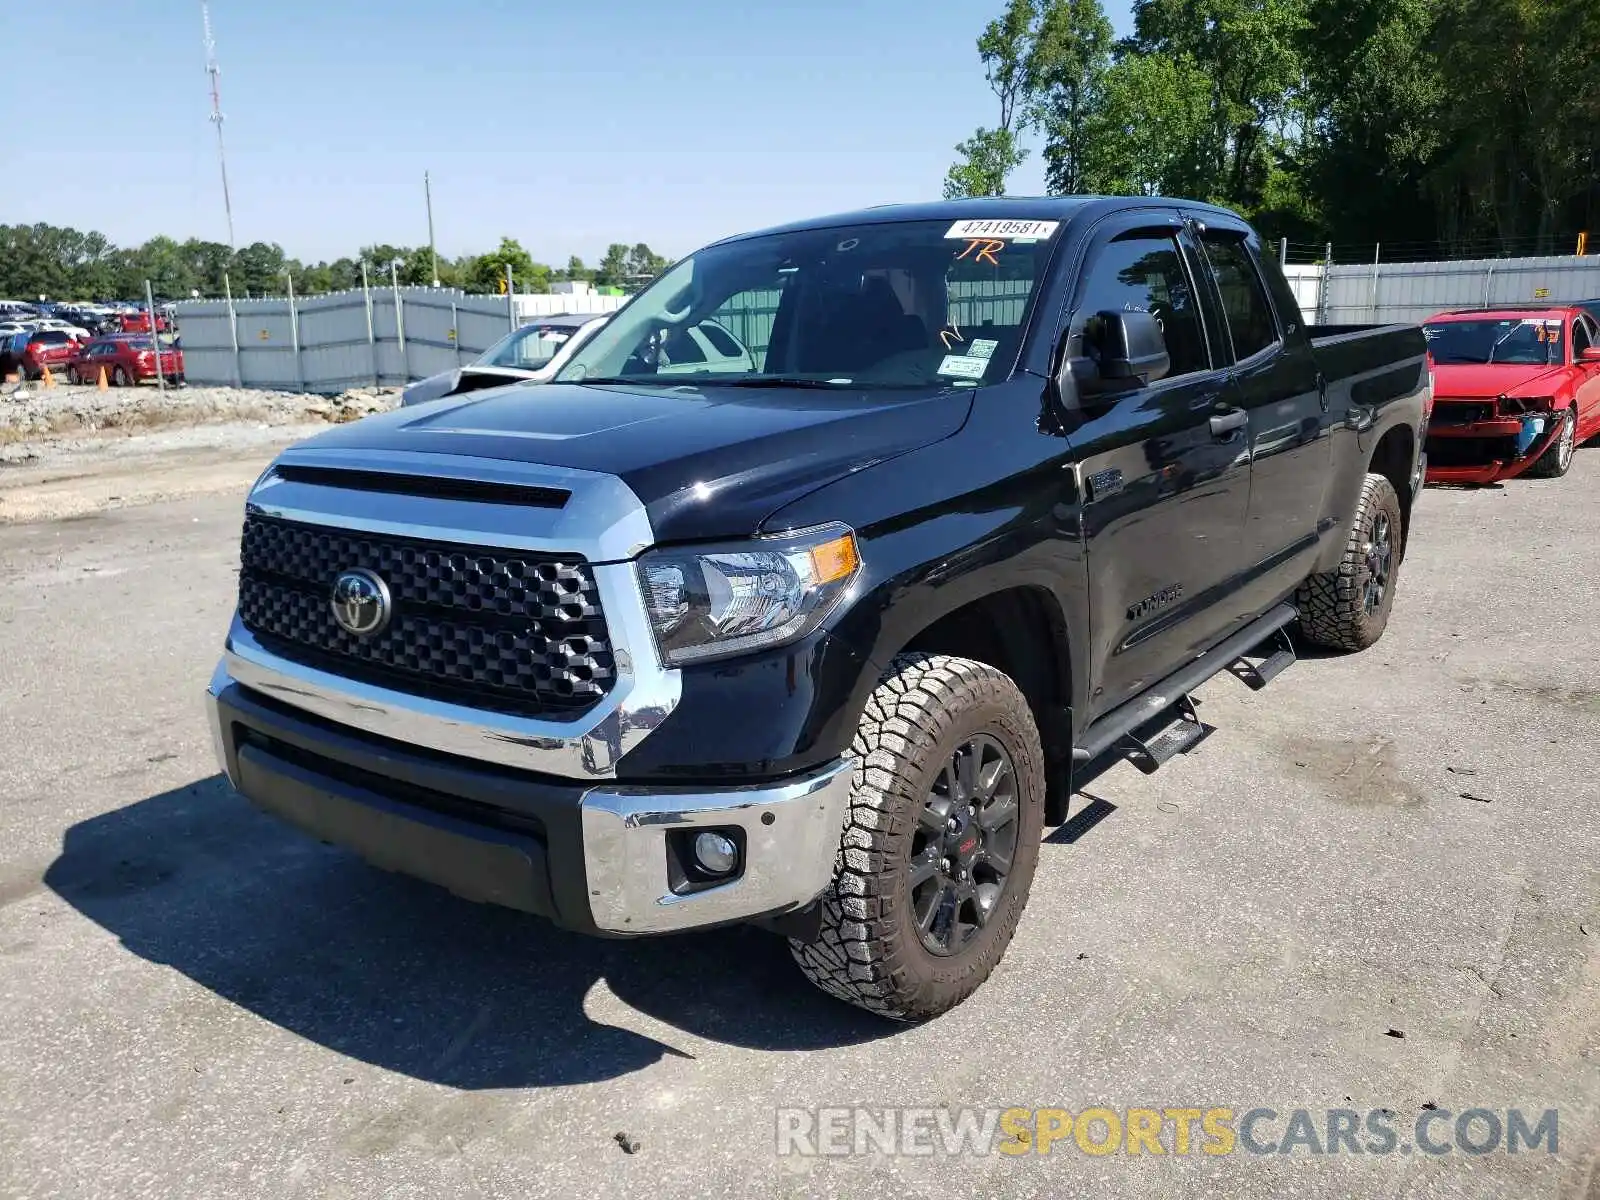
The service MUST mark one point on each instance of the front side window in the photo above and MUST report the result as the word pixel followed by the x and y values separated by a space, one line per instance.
pixel 1143 272
pixel 1523 341
pixel 897 304
pixel 528 348
pixel 1244 300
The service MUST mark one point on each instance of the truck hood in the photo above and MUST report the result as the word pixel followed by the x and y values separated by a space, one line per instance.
pixel 1478 381
pixel 706 461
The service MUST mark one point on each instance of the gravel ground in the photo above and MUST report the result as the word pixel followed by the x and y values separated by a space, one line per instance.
pixel 1377 885
pixel 31 412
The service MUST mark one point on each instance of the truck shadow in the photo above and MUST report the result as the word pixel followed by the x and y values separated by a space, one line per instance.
pixel 405 976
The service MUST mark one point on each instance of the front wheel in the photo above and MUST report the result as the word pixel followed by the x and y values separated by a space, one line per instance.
pixel 120 378
pixel 940 841
pixel 1347 608
pixel 1556 461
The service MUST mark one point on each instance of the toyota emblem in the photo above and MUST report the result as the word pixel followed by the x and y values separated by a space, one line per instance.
pixel 360 602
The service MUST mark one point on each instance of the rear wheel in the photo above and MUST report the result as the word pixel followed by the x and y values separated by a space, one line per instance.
pixel 1556 461
pixel 1348 608
pixel 940 842
pixel 120 377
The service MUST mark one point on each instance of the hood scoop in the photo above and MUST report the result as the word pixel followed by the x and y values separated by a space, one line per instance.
pixel 432 487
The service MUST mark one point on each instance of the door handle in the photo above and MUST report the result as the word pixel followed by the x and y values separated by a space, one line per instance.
pixel 1224 424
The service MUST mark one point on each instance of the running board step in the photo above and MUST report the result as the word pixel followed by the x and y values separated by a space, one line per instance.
pixel 1175 732
pixel 1280 655
pixel 1144 708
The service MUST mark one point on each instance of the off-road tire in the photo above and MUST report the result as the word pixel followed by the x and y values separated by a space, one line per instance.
pixel 1556 461
pixel 1333 604
pixel 869 952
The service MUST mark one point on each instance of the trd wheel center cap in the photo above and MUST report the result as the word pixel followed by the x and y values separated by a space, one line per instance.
pixel 963 840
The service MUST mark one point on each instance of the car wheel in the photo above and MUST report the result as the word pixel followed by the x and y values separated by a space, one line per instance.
pixel 1347 608
pixel 1556 461
pixel 119 377
pixel 940 841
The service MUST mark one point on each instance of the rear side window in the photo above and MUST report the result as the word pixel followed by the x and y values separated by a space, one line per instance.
pixel 720 341
pixel 1581 338
pixel 1143 272
pixel 1244 299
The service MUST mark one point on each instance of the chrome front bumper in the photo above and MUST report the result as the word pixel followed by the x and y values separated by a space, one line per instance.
pixel 790 831
pixel 791 838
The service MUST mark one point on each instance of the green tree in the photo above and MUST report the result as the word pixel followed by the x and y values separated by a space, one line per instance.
pixel 1377 105
pixel 1249 50
pixel 1152 133
pixel 576 271
pixel 1067 64
pixel 488 271
pixel 643 264
pixel 613 269
pixel 989 156
pixel 257 270
pixel 163 264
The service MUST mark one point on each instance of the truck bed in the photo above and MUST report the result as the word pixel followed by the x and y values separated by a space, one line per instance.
pixel 1348 351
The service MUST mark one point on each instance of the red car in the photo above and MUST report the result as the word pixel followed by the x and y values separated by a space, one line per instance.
pixel 1515 391
pixel 126 360
pixel 139 322
pixel 28 354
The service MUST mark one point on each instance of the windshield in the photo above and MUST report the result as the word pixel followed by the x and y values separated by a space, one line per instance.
pixel 529 348
pixel 1529 341
pixel 902 304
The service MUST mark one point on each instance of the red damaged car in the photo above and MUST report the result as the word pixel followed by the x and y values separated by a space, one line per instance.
pixel 1515 391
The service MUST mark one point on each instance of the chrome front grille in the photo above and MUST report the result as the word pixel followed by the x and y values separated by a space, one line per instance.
pixel 507 630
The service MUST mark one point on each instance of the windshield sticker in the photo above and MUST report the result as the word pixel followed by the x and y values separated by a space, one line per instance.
pixel 983 229
pixel 982 348
pixel 963 366
pixel 983 250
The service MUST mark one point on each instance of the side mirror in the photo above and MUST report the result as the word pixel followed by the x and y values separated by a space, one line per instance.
pixel 1132 346
pixel 1590 354
pixel 1121 349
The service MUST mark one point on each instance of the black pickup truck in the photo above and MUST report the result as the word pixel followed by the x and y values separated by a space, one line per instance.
pixel 813 629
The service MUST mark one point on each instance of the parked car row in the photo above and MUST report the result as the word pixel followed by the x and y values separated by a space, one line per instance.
pixel 1516 390
pixel 81 320
pixel 127 359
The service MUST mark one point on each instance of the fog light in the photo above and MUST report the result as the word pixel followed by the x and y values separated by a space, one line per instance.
pixel 716 854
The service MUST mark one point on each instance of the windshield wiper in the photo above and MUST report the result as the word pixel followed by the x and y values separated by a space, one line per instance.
pixel 647 380
pixel 772 381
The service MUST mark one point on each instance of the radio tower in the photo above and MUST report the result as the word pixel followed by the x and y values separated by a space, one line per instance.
pixel 215 72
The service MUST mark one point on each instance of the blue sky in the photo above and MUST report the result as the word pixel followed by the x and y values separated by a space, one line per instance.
pixel 564 125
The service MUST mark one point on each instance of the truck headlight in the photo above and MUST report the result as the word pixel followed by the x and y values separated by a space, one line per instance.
pixel 715 601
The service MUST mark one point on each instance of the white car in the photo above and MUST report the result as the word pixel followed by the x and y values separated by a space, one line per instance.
pixel 531 354
pixel 76 331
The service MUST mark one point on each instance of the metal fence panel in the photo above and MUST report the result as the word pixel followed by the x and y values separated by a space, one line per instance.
pixel 441 329
pixel 1388 292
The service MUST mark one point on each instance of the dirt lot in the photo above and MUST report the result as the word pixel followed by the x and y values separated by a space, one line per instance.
pixel 1376 886
pixel 31 413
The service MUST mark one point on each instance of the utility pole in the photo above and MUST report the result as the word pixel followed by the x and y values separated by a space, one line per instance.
pixel 427 191
pixel 215 72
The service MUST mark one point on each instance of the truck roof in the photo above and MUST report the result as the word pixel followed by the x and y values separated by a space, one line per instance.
pixel 1031 208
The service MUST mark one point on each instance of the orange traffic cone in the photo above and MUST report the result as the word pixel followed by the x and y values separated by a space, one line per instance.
pixel 47 379
pixel 101 382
